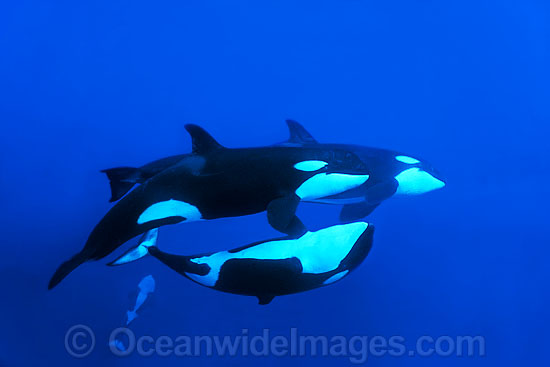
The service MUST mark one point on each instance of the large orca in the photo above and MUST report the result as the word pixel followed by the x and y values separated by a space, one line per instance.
pixel 122 179
pixel 391 173
pixel 215 182
pixel 271 268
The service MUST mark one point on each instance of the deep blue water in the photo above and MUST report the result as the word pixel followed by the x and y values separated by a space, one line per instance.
pixel 91 85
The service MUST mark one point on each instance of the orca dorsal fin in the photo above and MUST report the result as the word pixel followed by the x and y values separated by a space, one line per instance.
pixel 202 141
pixel 298 134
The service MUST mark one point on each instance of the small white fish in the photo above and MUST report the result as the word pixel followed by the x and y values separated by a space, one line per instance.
pixel 146 287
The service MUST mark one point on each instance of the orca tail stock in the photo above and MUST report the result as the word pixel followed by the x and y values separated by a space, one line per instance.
pixel 148 240
pixel 121 180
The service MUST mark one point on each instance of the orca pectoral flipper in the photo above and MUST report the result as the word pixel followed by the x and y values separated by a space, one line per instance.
pixel 353 212
pixel 148 239
pixel 373 197
pixel 381 191
pixel 281 215
pixel 181 264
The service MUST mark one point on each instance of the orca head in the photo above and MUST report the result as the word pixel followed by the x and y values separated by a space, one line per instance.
pixel 416 177
pixel 359 243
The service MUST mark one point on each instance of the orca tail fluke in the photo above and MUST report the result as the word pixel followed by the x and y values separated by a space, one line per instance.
pixel 66 268
pixel 148 240
pixel 122 179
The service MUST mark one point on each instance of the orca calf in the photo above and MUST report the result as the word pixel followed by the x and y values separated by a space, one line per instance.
pixel 216 182
pixel 275 267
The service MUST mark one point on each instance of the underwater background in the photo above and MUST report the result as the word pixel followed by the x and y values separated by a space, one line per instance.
pixel 86 86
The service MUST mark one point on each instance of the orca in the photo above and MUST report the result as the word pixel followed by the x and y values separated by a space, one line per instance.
pixel 123 179
pixel 217 182
pixel 391 173
pixel 274 267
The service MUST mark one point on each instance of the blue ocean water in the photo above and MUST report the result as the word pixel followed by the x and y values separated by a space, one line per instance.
pixel 465 84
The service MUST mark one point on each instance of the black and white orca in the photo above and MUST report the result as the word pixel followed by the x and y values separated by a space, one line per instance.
pixel 216 182
pixel 122 179
pixel 391 173
pixel 271 268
